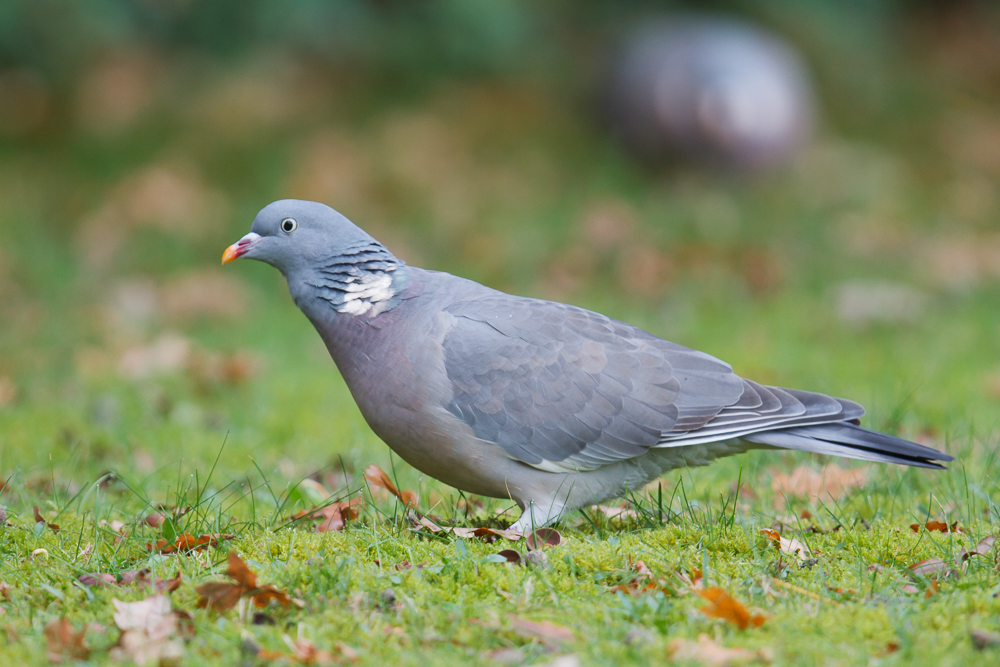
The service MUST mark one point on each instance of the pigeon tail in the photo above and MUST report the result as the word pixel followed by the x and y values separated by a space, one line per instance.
pixel 854 442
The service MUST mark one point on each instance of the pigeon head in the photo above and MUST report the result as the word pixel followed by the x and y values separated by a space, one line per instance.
pixel 322 254
pixel 291 234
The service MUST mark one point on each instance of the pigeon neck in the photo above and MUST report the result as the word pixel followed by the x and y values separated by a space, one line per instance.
pixel 361 280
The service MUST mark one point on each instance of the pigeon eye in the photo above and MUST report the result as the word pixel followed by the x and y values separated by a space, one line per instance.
pixel 288 225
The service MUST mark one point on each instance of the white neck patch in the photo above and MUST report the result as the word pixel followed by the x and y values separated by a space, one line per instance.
pixel 371 294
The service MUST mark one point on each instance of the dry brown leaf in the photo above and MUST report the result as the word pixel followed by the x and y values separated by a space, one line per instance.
pixel 983 639
pixel 643 582
pixel 223 596
pixel 543 537
pixel 64 642
pixel 113 525
pixel 305 652
pixel 151 632
pixel 334 516
pixel 425 522
pixel 5 590
pixel 141 578
pixel 98 579
pixel 39 519
pixel 831 482
pixel 983 547
pixel 939 526
pixel 512 556
pixel 791 547
pixel 722 605
pixel 485 534
pixel 642 569
pixel 928 568
pixel 377 477
pixel 187 542
pixel 707 652
pixel 547 632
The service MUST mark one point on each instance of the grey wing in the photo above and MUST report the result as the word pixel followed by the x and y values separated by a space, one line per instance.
pixel 562 388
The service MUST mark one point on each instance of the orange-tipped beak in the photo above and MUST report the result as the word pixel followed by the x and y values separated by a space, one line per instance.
pixel 231 253
pixel 240 248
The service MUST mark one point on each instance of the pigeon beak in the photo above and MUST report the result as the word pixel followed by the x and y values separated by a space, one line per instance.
pixel 240 248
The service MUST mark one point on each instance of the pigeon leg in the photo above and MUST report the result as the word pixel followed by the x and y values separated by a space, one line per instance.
pixel 539 514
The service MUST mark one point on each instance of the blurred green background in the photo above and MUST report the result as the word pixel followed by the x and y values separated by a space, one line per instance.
pixel 138 140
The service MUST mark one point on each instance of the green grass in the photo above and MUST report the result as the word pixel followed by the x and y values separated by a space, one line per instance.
pixel 499 181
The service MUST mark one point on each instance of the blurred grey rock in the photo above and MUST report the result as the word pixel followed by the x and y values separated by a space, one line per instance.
pixel 537 559
pixel 862 303
pixel 709 89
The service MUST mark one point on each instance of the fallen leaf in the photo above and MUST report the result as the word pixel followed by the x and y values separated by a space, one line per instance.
pixel 141 578
pixel 722 605
pixel 305 652
pixel 425 522
pixel 377 477
pixel 983 639
pixel 512 556
pixel 929 567
pixel 547 632
pixel 984 546
pixel 5 590
pixel 39 519
pixel 643 582
pixel 486 534
pixel 187 542
pixel 831 482
pixel 114 525
pixel 224 596
pixel 939 526
pixel 787 546
pixel 642 569
pixel 151 632
pixel 64 642
pixel 334 515
pixel 543 537
pixel 98 579
pixel 707 652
